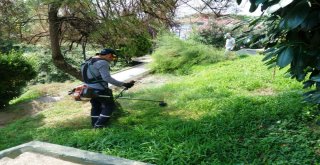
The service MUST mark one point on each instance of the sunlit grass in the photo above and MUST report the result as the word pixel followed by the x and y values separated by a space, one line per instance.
pixel 233 112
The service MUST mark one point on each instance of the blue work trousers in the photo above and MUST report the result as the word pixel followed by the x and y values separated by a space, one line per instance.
pixel 101 109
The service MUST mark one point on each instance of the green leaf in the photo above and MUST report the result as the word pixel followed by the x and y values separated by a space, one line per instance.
pixel 282 24
pixel 267 4
pixel 311 21
pixel 258 2
pixel 308 84
pixel 285 57
pixel 253 6
pixel 269 50
pixel 297 14
pixel 271 65
pixel 316 78
pixel 255 21
pixel 239 25
pixel 239 2
pixel 268 56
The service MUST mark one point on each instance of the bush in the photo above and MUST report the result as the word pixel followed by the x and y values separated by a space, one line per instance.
pixel 173 55
pixel 138 46
pixel 213 36
pixel 7 45
pixel 47 72
pixel 15 71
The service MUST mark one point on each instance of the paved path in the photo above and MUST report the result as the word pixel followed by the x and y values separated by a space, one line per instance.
pixel 249 51
pixel 135 72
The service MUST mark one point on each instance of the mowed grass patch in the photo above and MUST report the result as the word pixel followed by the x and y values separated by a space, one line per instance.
pixel 215 115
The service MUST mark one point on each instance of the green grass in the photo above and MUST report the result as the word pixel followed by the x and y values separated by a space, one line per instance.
pixel 27 96
pixel 232 112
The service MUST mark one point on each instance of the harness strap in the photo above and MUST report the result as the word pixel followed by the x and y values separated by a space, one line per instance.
pixel 87 65
pixel 96 79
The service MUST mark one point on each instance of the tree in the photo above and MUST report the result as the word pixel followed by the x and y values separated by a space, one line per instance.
pixel 55 36
pixel 107 23
pixel 13 19
pixel 293 38
pixel 218 7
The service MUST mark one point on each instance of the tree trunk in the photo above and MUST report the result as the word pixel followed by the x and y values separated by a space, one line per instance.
pixel 57 57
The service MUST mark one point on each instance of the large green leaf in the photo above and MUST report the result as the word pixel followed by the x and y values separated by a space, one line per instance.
pixel 239 1
pixel 253 6
pixel 311 21
pixel 297 14
pixel 267 4
pixel 285 57
pixel 271 52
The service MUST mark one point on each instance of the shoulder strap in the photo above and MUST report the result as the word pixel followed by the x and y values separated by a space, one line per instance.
pixel 84 70
pixel 88 65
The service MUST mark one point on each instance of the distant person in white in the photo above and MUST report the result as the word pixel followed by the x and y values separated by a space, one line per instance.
pixel 230 43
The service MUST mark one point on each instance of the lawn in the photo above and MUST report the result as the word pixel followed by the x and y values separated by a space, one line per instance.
pixel 232 112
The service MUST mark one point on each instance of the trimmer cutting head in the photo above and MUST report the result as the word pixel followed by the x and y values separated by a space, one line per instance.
pixel 162 104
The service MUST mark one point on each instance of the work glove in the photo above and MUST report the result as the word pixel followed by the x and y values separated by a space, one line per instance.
pixel 129 84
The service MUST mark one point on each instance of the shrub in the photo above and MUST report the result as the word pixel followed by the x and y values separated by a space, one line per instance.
pixel 173 55
pixel 47 72
pixel 15 71
pixel 138 46
pixel 7 45
pixel 213 36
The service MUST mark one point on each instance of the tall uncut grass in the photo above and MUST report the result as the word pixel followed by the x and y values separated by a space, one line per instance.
pixel 174 55
pixel 232 112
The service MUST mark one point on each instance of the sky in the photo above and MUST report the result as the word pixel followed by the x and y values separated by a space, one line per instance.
pixel 244 8
pixel 245 5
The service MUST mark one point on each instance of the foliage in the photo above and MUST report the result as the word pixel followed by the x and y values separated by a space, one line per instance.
pixel 136 47
pixel 173 55
pixel 44 67
pixel 217 7
pixel 46 72
pixel 293 38
pixel 15 71
pixel 118 24
pixel 232 112
pixel 213 36
pixel 6 46
pixel 12 15
pixel 13 19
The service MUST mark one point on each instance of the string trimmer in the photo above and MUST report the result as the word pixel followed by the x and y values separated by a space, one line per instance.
pixel 89 93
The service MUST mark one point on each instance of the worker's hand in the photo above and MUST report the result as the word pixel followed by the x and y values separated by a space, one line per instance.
pixel 129 84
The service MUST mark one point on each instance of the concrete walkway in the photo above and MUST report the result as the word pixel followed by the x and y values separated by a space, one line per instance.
pixel 249 51
pixel 41 153
pixel 134 72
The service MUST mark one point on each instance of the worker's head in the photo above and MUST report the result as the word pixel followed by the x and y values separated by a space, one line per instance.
pixel 108 54
pixel 228 35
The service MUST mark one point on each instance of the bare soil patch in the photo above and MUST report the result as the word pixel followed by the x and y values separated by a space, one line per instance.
pixel 264 92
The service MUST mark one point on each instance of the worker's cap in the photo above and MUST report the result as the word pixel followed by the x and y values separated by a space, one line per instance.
pixel 107 51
